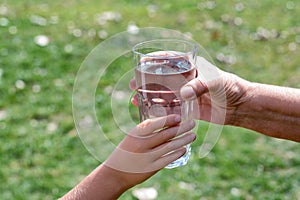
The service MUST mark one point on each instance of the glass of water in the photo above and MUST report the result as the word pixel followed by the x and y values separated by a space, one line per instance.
pixel 162 67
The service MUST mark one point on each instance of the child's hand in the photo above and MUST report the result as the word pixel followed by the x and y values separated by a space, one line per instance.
pixel 149 147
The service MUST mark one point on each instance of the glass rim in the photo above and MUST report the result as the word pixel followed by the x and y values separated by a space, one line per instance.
pixel 192 50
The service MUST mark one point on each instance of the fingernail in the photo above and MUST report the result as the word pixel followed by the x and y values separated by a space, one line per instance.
pixel 177 118
pixel 187 92
pixel 192 123
pixel 193 136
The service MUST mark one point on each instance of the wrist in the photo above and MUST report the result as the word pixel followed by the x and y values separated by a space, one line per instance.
pixel 102 182
pixel 116 178
pixel 240 94
pixel 247 111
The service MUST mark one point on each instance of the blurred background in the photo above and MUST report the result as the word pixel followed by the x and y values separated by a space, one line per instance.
pixel 43 43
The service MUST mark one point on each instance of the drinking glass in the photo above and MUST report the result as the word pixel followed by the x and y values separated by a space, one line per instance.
pixel 162 67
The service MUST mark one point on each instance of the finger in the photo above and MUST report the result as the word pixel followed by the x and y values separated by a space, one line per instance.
pixel 175 131
pixel 193 89
pixel 167 159
pixel 134 100
pixel 148 126
pixel 169 133
pixel 175 144
pixel 132 84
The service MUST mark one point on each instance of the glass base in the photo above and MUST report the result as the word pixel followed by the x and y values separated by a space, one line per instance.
pixel 183 160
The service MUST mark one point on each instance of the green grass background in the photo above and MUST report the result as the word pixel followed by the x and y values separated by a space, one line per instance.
pixel 41 156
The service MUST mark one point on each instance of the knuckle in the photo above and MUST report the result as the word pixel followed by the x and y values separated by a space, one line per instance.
pixel 145 123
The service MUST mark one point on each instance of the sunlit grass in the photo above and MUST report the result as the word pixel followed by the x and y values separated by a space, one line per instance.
pixel 41 157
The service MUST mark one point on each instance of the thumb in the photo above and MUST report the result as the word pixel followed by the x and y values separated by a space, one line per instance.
pixel 193 89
